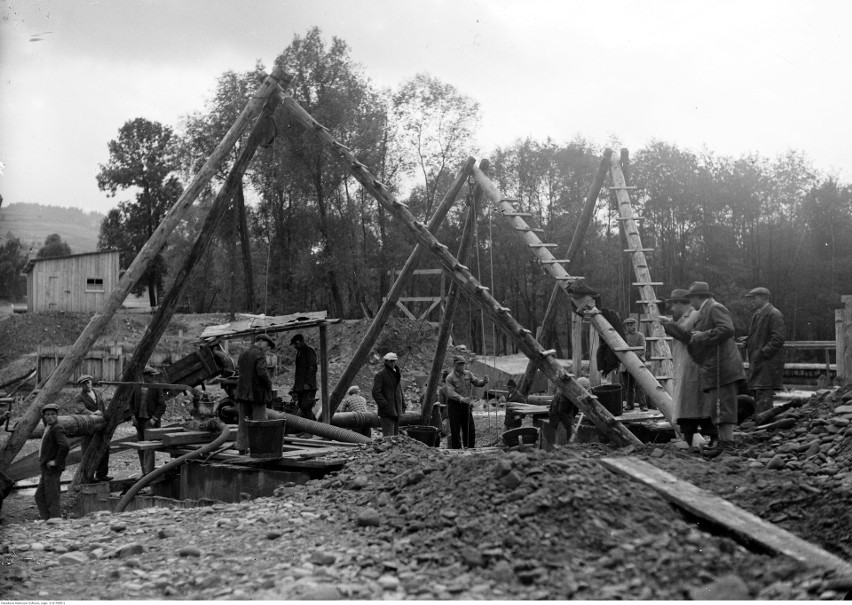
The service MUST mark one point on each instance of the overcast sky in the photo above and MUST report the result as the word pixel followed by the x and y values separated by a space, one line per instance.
pixel 734 76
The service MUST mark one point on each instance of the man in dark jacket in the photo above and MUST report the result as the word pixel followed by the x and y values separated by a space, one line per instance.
pixel 712 347
pixel 387 392
pixel 765 347
pixel 305 379
pixel 147 409
pixel 254 389
pixel 606 358
pixel 513 420
pixel 90 401
pixel 51 460
pixel 460 400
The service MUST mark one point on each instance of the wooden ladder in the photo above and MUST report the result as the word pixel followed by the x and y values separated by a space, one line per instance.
pixel 661 354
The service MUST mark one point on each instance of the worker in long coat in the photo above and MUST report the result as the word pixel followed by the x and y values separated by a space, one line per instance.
pixel 765 347
pixel 305 377
pixel 254 388
pixel 713 347
pixel 691 411
pixel 387 392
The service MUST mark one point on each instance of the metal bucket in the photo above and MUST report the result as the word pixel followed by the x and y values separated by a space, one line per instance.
pixel 610 397
pixel 265 438
pixel 425 434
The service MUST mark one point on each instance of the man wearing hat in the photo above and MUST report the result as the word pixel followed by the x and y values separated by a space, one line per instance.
pixel 305 378
pixel 387 392
pixel 712 346
pixel 606 358
pixel 51 460
pixel 513 420
pixel 765 347
pixel 90 401
pixel 254 388
pixel 691 411
pixel 147 409
pixel 459 389
pixel 636 339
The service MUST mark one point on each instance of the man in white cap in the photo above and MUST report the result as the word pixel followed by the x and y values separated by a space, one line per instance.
pixel 90 401
pixel 765 347
pixel 459 390
pixel 387 392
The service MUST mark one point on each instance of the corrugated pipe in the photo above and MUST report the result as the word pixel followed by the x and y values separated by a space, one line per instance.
pixel 364 419
pixel 297 424
pixel 212 425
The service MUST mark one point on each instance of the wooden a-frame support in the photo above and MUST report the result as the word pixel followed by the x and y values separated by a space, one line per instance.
pixel 548 324
pixel 584 400
pixel 446 327
pixel 389 304
pixel 152 247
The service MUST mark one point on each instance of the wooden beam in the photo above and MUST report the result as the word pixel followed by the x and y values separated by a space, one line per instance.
pixel 576 343
pixel 245 245
pixel 840 343
pixel 359 357
pixel 325 413
pixel 118 410
pixel 717 510
pixel 584 400
pixel 137 268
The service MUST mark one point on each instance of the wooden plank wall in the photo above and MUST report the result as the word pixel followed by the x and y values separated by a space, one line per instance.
pixel 61 284
pixel 105 362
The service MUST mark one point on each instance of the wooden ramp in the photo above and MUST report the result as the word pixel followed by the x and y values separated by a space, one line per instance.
pixel 717 510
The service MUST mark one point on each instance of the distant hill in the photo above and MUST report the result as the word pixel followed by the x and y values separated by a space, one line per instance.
pixel 32 223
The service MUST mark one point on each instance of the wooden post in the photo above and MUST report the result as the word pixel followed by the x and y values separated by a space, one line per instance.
pixel 548 324
pixel 389 304
pixel 461 275
pixel 576 343
pixel 139 265
pixel 239 202
pixel 323 338
pixel 840 343
pixel 445 330
pixel 847 339
pixel 594 343
pixel 117 411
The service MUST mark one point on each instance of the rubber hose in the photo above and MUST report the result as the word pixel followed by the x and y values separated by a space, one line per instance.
pixel 321 429
pixel 364 419
pixel 209 447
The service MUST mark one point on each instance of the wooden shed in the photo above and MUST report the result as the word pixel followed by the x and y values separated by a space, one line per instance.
pixel 78 283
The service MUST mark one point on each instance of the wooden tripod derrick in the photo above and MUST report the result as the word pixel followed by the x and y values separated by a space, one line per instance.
pixel 660 350
pixel 152 247
pixel 634 365
pixel 461 275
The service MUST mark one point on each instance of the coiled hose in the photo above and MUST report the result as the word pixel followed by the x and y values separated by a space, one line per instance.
pixel 209 447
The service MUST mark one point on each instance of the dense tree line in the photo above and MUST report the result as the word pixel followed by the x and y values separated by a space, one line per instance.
pixel 315 240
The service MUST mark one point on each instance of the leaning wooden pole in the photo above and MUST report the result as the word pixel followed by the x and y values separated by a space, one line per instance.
pixel 140 264
pixel 661 399
pixel 118 410
pixel 584 400
pixel 389 304
pixel 446 328
pixel 245 245
pixel 548 325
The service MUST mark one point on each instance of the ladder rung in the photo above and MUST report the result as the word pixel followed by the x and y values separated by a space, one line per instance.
pixel 628 187
pixel 567 278
pixel 503 309
pixel 630 218
pixel 549 352
pixel 660 358
pixel 625 349
pixel 541 245
pixel 533 229
pixel 527 331
pixel 551 261
pixel 460 267
pixel 663 377
pixel 647 302
pixel 481 288
pixel 517 214
pixel 641 250
pixel 658 338
pixel 509 200
pixel 647 283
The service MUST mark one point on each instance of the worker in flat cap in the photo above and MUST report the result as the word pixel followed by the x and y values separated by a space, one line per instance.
pixel 632 394
pixel 765 349
pixel 91 401
pixel 712 346
pixel 147 406
pixel 254 389
pixel 305 377
pixel 580 293
pixel 51 460
pixel 387 393
pixel 691 410
pixel 460 399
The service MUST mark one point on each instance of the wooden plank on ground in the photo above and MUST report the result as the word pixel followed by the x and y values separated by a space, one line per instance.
pixel 708 506
pixel 157 433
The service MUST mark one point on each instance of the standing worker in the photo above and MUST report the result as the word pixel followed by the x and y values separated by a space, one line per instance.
pixel 147 411
pixel 254 389
pixel 51 460
pixel 92 402
pixel 305 380
pixel 765 347
pixel 691 411
pixel 632 394
pixel 513 420
pixel 459 389
pixel 712 346
pixel 387 392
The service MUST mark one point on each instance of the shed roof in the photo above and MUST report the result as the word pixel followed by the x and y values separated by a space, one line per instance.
pixel 248 325
pixel 33 261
